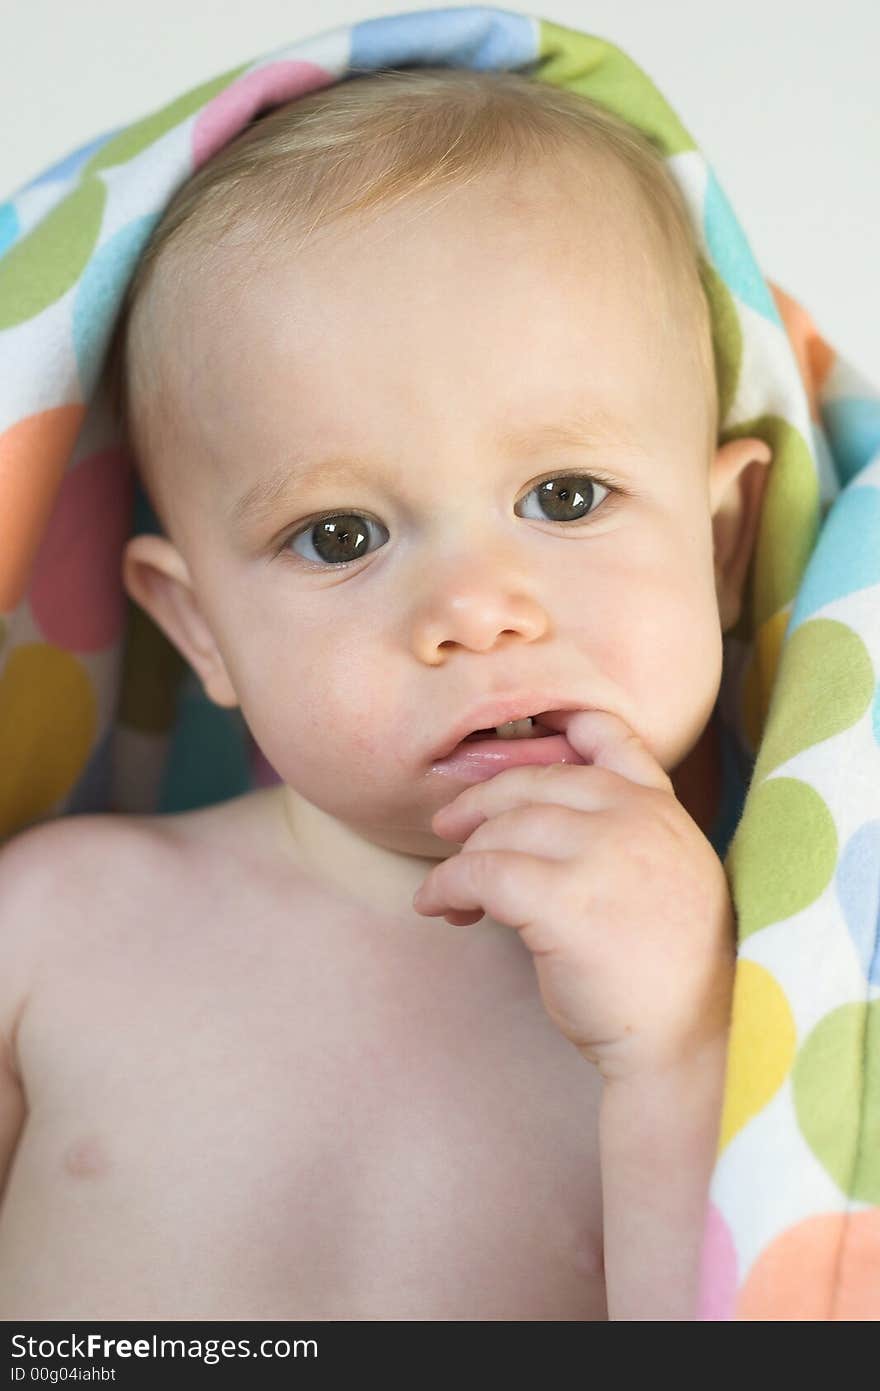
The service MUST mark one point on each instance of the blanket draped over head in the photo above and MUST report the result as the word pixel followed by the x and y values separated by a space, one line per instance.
pixel 98 713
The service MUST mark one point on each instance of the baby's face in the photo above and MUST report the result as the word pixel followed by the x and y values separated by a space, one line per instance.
pixel 381 374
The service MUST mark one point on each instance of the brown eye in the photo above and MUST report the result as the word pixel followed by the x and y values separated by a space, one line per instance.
pixel 337 539
pixel 568 498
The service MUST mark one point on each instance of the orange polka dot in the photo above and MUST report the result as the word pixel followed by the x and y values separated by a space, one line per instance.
pixel 33 457
pixel 815 357
pixel 824 1268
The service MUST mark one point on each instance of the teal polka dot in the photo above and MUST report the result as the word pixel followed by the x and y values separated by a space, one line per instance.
pixel 100 293
pixel 208 754
pixel 847 556
pixel 9 226
pixel 853 424
pixel 732 254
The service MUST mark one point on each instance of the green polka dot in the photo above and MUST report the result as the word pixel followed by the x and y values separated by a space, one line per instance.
pixel 43 265
pixel 596 68
pixel 825 684
pixel 836 1081
pixel 140 134
pixel 783 853
pixel 790 510
pixel 727 342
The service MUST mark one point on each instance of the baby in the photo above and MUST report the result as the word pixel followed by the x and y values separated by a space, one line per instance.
pixel 434 1027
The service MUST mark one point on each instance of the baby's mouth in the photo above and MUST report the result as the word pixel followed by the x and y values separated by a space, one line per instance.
pixel 516 744
pixel 527 728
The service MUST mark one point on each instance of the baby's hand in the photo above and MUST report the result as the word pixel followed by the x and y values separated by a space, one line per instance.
pixel 614 889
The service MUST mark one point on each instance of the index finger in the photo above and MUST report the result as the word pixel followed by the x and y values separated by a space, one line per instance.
pixel 607 741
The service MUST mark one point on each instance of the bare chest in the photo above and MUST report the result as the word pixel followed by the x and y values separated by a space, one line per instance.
pixel 292 1113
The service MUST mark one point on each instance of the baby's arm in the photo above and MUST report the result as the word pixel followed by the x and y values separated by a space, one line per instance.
pixel 12 1112
pixel 658 1137
pixel 627 909
pixel 20 859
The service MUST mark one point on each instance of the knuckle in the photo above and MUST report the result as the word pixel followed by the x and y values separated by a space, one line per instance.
pixel 606 782
pixel 479 864
pixel 480 837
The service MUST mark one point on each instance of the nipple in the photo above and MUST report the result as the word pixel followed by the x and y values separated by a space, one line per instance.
pixel 85 1158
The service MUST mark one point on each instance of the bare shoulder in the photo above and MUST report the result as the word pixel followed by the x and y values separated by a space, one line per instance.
pixel 49 874
pixel 50 870
pixel 79 872
pixel 56 854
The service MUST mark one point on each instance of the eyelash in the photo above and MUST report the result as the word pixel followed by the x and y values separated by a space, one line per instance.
pixel 616 490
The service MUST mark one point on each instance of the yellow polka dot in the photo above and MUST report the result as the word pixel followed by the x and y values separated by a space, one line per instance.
pixel 762 1047
pixel 48 721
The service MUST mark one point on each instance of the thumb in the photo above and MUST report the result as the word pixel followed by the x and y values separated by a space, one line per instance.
pixel 608 742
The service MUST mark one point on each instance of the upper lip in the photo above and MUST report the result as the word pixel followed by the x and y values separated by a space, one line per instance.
pixel 498 710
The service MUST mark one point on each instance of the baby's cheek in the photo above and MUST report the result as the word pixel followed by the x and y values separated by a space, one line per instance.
pixel 659 653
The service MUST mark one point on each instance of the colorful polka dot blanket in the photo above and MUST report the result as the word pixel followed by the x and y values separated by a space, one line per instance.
pixel 98 713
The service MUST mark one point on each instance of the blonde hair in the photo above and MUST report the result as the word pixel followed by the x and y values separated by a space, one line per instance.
pixel 367 142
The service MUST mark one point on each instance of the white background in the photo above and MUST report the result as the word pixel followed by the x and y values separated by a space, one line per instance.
pixel 782 96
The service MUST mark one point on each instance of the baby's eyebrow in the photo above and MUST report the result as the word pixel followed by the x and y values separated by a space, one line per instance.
pixel 260 502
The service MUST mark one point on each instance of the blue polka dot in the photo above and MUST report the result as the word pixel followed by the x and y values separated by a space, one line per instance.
pixel 846 558
pixel 471 37
pixel 853 426
pixel 70 165
pixel 732 254
pixel 94 788
pixel 9 226
pixel 858 891
pixel 100 293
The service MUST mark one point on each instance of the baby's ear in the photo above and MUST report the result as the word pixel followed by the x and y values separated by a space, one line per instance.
pixel 157 577
pixel 736 489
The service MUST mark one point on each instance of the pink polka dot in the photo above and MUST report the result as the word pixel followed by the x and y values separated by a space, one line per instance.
pixel 718 1270
pixel 231 110
pixel 76 593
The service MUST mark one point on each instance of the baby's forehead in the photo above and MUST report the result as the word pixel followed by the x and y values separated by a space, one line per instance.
pixel 217 306
pixel 605 209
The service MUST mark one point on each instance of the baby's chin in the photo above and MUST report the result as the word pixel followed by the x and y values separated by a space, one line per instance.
pixel 394 824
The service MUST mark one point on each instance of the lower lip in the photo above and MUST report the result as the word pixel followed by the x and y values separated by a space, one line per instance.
pixel 475 760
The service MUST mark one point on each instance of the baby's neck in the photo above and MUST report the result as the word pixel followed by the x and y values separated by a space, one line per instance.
pixel 384 880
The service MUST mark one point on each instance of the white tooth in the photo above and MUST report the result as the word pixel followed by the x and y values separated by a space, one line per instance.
pixel 515 729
